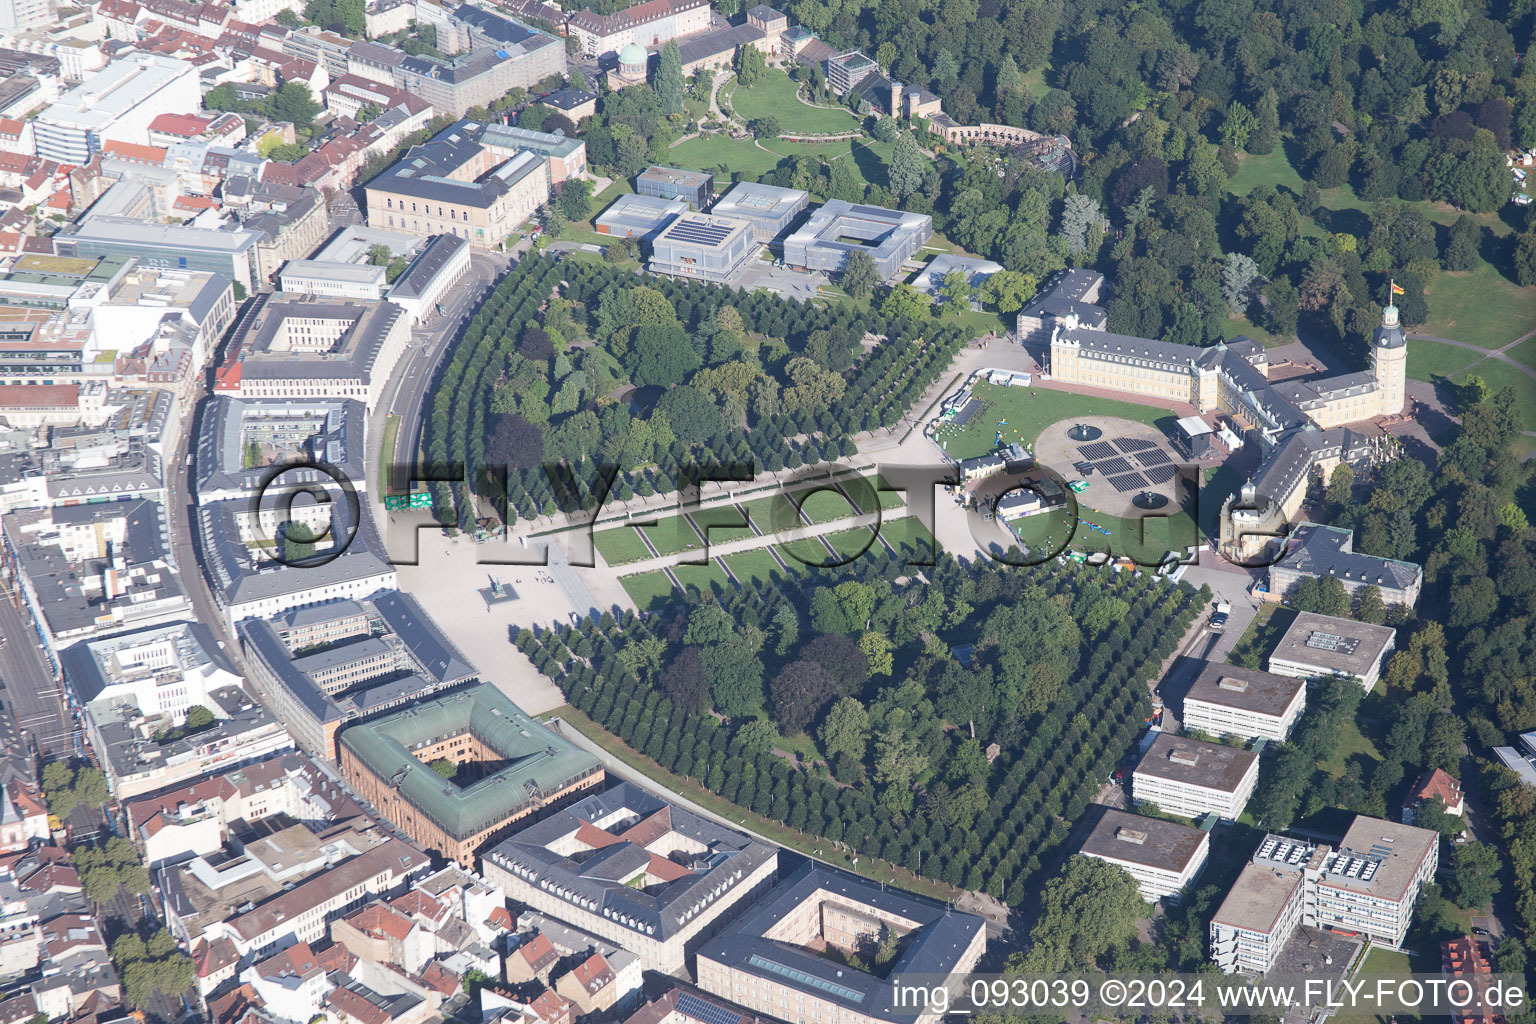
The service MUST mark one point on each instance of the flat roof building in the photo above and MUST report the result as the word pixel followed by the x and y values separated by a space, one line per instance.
pixel 703 247
pixel 638 217
pixel 1163 857
pixel 696 188
pixel 1315 646
pixel 510 767
pixel 1193 778
pixel 774 960
pixel 837 228
pixel 769 208
pixel 115 104
pixel 1368 886
pixel 1229 700
pixel 930 279
pixel 627 866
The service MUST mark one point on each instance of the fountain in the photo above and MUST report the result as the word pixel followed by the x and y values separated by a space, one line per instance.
pixel 1085 432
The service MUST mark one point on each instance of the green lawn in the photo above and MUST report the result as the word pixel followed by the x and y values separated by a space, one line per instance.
pixel 1274 169
pixel 671 535
pixel 1028 412
pixel 647 588
pixel 757 564
pixel 620 545
pixel 1430 359
pixel 852 542
pixel 1351 742
pixel 1499 375
pixel 1234 325
pixel 1523 353
pixel 705 577
pixel 774 513
pixel 1145 541
pixel 825 506
pixel 1480 306
pixel 908 534
pixel 753 162
pixel 722 524
pixel 774 96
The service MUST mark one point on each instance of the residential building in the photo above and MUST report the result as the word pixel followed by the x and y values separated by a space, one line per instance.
pixel 1193 778
pixel 768 208
pixel 1369 885
pixel 1162 856
pixel 678 1005
pixel 1229 700
pixel 703 247
pixel 638 217
pixel 837 228
pixel 1318 552
pixel 706 870
pixel 649 25
pixel 1466 959
pixel 117 104
pixel 199 817
pixel 696 188
pixel 359 658
pixel 514 767
pixel 1434 785
pixel 771 960
pixel 89 570
pixel 1317 646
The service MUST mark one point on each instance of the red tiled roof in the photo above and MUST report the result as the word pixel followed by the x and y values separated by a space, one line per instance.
pixel 595 837
pixel 551 1006
pixel 593 973
pixel 538 952
pixel 40 396
pixel 1436 783
pixel 213 957
pixel 440 979
pixel 297 960
pixel 233 1005
pixel 136 152
pixel 380 919
pixel 185 125
pixel 50 877
pixel 351 1005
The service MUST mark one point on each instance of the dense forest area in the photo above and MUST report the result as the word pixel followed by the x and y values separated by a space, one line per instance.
pixel 581 363
pixel 855 670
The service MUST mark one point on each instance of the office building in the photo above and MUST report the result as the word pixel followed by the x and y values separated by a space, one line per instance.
pixel 643 874
pixel 162 672
pixel 1162 856
pixel 116 104
pixel 293 347
pixel 509 767
pixel 772 959
pixel 1317 646
pixel 1369 885
pixel 768 208
pixel 696 188
pixel 336 663
pixel 484 74
pixel 565 155
pixel 837 228
pixel 703 247
pixel 638 217
pixel 332 280
pixel 930 280
pixel 231 253
pixel 1229 700
pixel 1193 778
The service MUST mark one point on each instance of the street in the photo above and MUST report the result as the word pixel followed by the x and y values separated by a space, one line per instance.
pixel 33 698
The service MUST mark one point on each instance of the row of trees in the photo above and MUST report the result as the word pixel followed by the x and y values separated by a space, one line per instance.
pixel 864 665
pixel 516 395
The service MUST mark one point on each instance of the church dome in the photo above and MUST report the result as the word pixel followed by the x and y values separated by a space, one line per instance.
pixel 633 58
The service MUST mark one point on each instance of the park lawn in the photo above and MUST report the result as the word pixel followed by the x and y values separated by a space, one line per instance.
pixel 711 575
pixel 1430 359
pixel 758 565
pixel 1144 541
pixel 620 545
pixel 1028 412
pixel 710 151
pixel 1235 325
pixel 774 513
pixel 1034 81
pixel 1273 169
pixel 721 524
pixel 1523 353
pixel 909 536
pixel 853 542
pixel 1351 742
pixel 825 506
pixel 671 535
pixel 774 95
pixel 648 588
pixel 1479 306
pixel 1499 375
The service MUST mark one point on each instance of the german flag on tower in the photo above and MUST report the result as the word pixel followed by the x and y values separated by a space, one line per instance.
pixel 1396 290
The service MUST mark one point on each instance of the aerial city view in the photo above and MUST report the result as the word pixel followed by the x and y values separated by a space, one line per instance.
pixel 692 512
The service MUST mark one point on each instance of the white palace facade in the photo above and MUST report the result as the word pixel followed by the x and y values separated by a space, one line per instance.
pixel 1301 424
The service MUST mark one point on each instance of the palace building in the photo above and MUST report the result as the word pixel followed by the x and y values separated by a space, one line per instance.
pixel 1301 424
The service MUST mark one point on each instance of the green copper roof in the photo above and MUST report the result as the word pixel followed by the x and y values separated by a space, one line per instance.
pixel 540 763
